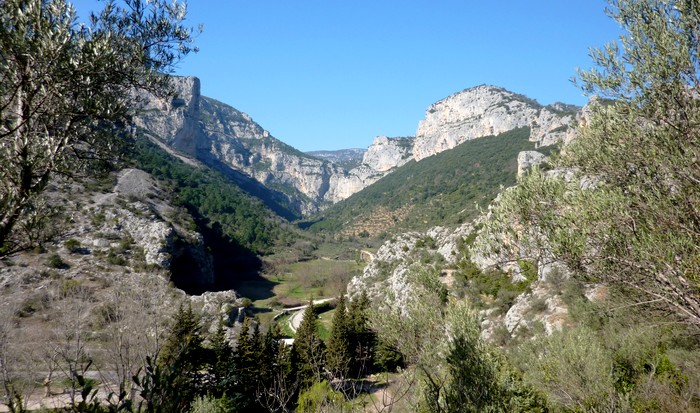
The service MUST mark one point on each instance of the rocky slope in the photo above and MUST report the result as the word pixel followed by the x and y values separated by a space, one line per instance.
pixel 489 110
pixel 99 297
pixel 347 158
pixel 229 140
pixel 464 260
pixel 453 256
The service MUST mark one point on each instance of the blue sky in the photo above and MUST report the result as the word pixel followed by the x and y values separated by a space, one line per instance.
pixel 335 74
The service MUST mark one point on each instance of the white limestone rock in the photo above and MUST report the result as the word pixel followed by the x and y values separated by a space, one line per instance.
pixel 489 110
pixel 527 159
pixel 386 153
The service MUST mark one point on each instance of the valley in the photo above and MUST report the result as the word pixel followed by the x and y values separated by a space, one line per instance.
pixel 160 251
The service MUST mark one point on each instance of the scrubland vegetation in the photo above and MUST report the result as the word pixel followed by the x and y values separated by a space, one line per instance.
pixel 617 209
pixel 447 188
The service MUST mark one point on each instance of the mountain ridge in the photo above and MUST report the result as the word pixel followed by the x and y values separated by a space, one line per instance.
pixel 302 184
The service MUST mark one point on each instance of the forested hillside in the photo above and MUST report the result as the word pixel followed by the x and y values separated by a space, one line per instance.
pixel 137 279
pixel 445 189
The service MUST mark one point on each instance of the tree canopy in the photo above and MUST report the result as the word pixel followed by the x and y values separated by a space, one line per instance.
pixel 630 213
pixel 68 90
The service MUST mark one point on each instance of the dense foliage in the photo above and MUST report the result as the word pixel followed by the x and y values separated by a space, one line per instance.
pixel 439 190
pixel 214 201
pixel 66 92
pixel 629 213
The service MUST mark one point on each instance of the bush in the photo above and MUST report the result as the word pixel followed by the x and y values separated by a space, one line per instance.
pixel 72 245
pixel 116 259
pixel 322 397
pixel 125 244
pixel 69 287
pixel 572 367
pixel 538 306
pixel 55 261
pixel 208 404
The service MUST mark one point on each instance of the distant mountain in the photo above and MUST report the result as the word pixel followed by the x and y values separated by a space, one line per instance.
pixel 288 181
pixel 296 184
pixel 347 158
pixel 490 110
pixel 443 189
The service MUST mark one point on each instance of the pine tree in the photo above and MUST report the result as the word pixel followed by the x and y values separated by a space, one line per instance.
pixel 279 381
pixel 362 338
pixel 185 338
pixel 248 364
pixel 308 349
pixel 182 359
pixel 223 368
pixel 270 353
pixel 339 351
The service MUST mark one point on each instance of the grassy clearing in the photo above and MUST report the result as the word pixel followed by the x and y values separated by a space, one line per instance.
pixel 296 283
pixel 325 321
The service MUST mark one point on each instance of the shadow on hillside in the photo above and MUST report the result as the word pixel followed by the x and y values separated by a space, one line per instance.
pixel 308 223
pixel 235 266
pixel 275 200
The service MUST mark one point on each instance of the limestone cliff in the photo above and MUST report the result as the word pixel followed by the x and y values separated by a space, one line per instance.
pixel 383 156
pixel 386 153
pixel 225 138
pixel 527 159
pixel 229 140
pixel 489 110
pixel 347 158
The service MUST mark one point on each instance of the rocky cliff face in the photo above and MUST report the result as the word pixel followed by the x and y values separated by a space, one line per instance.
pixel 386 153
pixel 224 137
pixel 528 159
pixel 383 156
pixel 227 139
pixel 347 158
pixel 129 228
pixel 489 110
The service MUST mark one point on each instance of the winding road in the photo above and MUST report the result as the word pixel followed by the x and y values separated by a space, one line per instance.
pixel 298 316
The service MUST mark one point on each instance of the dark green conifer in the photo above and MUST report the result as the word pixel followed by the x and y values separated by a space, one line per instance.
pixel 184 339
pixel 308 350
pixel 248 364
pixel 362 338
pixel 223 366
pixel 183 359
pixel 339 350
pixel 270 352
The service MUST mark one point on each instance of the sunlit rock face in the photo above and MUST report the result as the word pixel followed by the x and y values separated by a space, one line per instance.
pixel 224 137
pixel 485 111
pixel 528 159
pixel 386 153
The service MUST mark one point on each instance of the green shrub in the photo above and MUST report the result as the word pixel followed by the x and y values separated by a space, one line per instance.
pixel 125 243
pixel 208 404
pixel 72 245
pixel 538 306
pixel 69 287
pixel 116 259
pixel 55 261
pixel 322 397
pixel 33 304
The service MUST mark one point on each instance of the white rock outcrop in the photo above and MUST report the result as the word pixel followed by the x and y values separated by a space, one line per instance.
pixel 221 136
pixel 527 159
pixel 386 153
pixel 489 110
